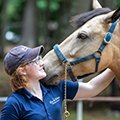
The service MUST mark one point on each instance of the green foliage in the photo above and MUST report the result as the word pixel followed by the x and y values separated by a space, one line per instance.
pixel 42 4
pixel 14 8
pixel 118 3
pixel 52 5
pixel 48 10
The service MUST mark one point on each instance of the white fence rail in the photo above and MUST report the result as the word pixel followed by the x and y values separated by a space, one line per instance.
pixel 94 99
pixel 3 99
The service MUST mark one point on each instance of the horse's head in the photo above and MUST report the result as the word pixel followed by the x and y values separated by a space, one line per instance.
pixel 86 40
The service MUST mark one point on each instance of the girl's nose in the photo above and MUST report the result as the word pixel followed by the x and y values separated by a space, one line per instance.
pixel 41 63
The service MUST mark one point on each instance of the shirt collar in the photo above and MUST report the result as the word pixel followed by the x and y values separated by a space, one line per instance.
pixel 26 93
pixel 45 88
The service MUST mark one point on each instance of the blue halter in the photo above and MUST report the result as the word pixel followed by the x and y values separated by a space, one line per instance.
pixel 97 55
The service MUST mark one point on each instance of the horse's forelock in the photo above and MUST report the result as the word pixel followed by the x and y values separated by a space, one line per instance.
pixel 81 19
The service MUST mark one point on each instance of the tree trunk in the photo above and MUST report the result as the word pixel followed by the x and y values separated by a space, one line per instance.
pixel 29 24
pixel 3 26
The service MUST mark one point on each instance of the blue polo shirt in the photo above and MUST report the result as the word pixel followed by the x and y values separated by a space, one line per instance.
pixel 22 105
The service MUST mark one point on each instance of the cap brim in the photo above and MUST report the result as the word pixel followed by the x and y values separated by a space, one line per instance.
pixel 33 53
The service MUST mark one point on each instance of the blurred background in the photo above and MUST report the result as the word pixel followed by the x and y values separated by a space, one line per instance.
pixel 35 22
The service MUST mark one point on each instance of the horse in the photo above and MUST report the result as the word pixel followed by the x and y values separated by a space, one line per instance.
pixel 92 47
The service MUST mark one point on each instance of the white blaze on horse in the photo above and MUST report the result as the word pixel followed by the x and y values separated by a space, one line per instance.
pixel 92 47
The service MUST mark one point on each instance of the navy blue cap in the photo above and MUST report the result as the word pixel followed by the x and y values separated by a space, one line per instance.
pixel 19 55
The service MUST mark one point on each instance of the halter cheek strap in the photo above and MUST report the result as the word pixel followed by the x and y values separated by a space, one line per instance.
pixel 97 55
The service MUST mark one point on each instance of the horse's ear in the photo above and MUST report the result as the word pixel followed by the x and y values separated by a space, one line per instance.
pixel 116 15
pixel 112 16
pixel 96 4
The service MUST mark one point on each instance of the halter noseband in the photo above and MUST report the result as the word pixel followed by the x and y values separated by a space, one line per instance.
pixel 96 55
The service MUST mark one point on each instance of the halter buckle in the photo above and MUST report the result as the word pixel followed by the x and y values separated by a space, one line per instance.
pixel 108 37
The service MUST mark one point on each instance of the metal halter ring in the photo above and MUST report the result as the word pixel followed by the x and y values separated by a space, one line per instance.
pixel 67 114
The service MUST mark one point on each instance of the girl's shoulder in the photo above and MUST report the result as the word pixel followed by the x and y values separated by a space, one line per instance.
pixel 13 98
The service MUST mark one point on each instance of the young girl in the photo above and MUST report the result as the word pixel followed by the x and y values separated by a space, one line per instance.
pixel 33 100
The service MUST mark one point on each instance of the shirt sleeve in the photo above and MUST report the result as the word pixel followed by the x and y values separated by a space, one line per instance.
pixel 10 111
pixel 71 88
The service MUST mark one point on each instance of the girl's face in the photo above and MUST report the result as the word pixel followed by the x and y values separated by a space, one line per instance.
pixel 34 69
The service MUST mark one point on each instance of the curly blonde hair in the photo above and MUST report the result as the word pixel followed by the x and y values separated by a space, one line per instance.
pixel 17 80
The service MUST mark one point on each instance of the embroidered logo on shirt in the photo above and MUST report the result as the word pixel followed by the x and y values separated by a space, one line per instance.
pixel 54 100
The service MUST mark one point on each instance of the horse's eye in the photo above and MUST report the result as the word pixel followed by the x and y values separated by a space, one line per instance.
pixel 82 36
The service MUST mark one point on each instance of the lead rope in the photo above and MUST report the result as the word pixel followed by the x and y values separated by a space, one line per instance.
pixel 66 112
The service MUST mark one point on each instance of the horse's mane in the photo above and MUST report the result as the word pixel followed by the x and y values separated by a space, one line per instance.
pixel 78 20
